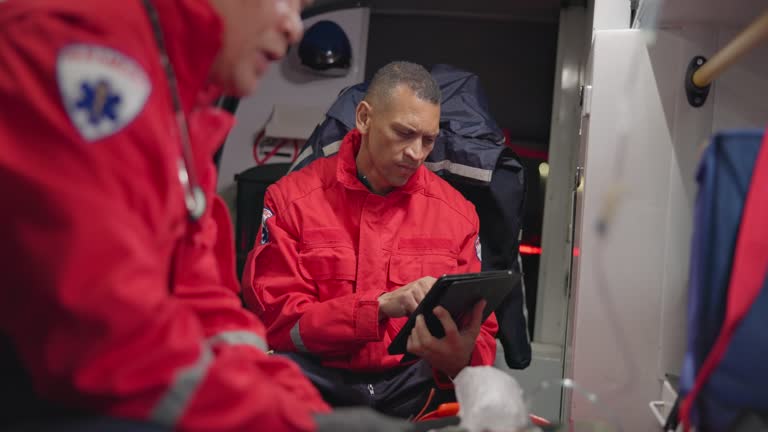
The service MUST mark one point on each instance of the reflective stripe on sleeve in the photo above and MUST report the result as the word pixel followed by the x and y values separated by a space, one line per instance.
pixel 296 338
pixel 171 406
pixel 239 337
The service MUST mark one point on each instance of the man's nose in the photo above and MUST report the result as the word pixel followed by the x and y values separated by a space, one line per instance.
pixel 415 150
pixel 290 19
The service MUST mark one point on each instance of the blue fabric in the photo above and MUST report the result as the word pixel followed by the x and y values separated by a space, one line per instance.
pixel 468 133
pixel 741 380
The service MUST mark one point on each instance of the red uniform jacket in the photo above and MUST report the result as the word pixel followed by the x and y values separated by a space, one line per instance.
pixel 114 302
pixel 328 248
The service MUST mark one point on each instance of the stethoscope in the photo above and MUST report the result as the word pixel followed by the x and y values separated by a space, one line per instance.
pixel 194 197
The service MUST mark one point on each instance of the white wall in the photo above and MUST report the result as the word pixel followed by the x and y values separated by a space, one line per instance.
pixel 285 84
pixel 729 13
pixel 642 141
pixel 611 14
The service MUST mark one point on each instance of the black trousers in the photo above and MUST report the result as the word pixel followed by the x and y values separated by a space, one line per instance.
pixel 402 392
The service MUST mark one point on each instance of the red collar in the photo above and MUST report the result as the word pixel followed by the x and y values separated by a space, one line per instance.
pixel 193 33
pixel 346 171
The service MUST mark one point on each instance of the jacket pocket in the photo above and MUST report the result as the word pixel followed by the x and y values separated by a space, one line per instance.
pixel 416 258
pixel 329 262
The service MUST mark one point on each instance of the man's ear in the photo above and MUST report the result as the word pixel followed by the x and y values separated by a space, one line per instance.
pixel 363 117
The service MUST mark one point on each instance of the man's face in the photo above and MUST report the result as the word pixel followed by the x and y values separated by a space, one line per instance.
pixel 256 33
pixel 398 134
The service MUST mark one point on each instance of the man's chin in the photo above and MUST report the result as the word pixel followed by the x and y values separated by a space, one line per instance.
pixel 399 181
pixel 243 86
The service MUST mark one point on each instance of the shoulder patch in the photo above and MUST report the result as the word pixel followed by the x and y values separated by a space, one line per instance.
pixel 102 89
pixel 478 249
pixel 265 215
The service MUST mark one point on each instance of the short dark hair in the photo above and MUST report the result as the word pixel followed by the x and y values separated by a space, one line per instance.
pixel 412 75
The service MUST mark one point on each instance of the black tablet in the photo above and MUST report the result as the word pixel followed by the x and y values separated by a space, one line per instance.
pixel 458 294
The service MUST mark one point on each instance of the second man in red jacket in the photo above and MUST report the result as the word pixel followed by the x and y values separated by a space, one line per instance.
pixel 351 244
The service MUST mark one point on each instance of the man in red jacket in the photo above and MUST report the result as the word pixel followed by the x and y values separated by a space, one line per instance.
pixel 350 245
pixel 119 296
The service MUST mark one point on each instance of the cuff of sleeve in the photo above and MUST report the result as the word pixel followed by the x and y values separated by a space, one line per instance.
pixel 366 317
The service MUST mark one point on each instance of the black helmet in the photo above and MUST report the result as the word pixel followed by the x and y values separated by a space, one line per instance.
pixel 325 49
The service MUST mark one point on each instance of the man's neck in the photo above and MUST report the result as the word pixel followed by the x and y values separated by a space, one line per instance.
pixel 368 174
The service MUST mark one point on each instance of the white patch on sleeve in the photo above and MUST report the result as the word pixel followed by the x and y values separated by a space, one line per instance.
pixel 102 89
pixel 478 249
pixel 265 215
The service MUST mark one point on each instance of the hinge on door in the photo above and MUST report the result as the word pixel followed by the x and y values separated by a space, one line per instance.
pixel 578 179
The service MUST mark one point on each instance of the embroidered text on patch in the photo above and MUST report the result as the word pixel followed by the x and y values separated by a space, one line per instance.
pixel 102 89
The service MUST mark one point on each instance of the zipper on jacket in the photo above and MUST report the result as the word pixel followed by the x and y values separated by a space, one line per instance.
pixel 370 390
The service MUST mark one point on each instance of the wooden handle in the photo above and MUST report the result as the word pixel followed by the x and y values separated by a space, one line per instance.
pixel 744 42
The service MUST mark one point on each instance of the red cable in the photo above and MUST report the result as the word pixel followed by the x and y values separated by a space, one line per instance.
pixel 426 405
